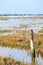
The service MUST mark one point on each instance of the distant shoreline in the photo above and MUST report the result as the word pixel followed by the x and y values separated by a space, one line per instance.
pixel 21 14
pixel 16 16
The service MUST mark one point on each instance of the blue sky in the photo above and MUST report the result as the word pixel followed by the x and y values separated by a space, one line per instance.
pixel 21 6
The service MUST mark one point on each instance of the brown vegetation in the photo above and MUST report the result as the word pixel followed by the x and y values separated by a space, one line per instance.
pixel 21 40
pixel 9 61
pixel 14 41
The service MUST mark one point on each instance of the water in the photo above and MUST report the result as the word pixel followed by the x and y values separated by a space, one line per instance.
pixel 10 23
pixel 20 55
pixel 5 24
pixel 15 53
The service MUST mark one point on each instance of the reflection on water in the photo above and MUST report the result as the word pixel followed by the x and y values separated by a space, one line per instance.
pixel 21 55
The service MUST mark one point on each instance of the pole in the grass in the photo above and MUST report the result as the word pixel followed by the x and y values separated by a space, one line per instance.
pixel 32 45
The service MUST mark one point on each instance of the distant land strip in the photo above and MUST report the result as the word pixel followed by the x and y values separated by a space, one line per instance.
pixel 16 16
pixel 21 14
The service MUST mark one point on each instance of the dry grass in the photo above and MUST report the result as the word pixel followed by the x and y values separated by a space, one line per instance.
pixel 5 31
pixel 14 41
pixel 3 18
pixel 20 42
pixel 10 61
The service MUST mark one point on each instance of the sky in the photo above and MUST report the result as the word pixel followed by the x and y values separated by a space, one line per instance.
pixel 21 6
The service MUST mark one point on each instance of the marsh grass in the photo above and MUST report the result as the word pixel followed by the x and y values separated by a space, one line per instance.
pixel 15 41
pixel 41 31
pixel 10 61
pixel 5 31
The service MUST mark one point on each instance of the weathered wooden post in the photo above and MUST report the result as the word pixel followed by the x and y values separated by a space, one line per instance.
pixel 32 46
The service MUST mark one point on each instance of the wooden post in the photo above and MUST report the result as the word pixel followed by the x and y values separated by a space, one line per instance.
pixel 33 50
pixel 32 34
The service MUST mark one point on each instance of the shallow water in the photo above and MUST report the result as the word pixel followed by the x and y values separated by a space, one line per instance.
pixel 10 23
pixel 15 53
pixel 5 24
pixel 20 55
